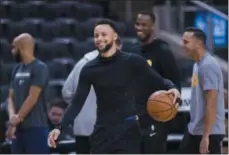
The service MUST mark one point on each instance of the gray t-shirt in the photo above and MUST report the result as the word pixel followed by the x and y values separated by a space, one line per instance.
pixel 207 75
pixel 23 76
pixel 85 121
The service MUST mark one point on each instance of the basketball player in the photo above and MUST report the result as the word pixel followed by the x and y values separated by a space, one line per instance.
pixel 85 121
pixel 113 75
pixel 28 121
pixel 160 58
pixel 206 128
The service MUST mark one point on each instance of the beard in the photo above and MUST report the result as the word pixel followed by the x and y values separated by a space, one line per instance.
pixel 144 39
pixel 106 48
pixel 17 57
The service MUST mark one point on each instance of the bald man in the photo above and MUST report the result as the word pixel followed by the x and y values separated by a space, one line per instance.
pixel 26 107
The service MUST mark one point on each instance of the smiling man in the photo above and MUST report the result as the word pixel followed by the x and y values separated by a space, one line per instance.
pixel 206 128
pixel 85 121
pixel 113 75
pixel 160 58
pixel 26 106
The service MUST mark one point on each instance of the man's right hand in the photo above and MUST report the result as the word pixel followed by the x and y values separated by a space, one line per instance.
pixel 14 120
pixel 10 133
pixel 53 135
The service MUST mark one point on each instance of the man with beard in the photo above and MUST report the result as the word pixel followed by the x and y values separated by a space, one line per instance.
pixel 160 58
pixel 26 107
pixel 85 121
pixel 113 74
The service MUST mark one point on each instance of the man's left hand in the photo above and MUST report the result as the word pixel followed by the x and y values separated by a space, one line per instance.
pixel 176 94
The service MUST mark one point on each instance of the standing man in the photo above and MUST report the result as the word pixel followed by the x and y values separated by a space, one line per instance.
pixel 26 106
pixel 206 128
pixel 113 75
pixel 85 121
pixel 160 58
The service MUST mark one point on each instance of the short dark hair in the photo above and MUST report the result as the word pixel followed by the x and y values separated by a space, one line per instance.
pixel 198 33
pixel 107 22
pixel 60 103
pixel 150 14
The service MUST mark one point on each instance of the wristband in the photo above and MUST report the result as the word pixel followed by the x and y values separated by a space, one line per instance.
pixel 179 101
pixel 59 127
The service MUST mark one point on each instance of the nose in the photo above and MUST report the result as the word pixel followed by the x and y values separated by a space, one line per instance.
pixel 99 38
pixel 138 27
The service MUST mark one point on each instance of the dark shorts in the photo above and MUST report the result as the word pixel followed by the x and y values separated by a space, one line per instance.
pixel 124 138
pixel 154 138
pixel 190 144
pixel 31 141
pixel 83 145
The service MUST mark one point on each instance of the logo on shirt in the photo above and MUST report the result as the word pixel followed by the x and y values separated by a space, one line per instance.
pixel 153 131
pixel 22 74
pixel 195 80
pixel 21 82
pixel 149 62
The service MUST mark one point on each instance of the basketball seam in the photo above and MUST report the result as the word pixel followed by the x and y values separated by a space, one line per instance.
pixel 166 118
pixel 170 99
pixel 171 107
pixel 162 102
pixel 162 111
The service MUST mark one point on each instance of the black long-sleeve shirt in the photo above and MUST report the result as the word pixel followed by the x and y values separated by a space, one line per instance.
pixel 114 80
pixel 160 58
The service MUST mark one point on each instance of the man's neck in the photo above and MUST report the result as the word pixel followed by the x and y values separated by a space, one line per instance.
pixel 150 40
pixel 200 54
pixel 27 59
pixel 111 52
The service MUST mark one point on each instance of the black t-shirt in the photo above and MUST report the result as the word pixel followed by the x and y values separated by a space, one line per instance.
pixel 160 59
pixel 114 80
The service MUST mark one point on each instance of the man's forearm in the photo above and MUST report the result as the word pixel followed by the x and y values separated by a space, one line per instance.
pixel 170 85
pixel 11 110
pixel 210 116
pixel 26 107
pixel 209 120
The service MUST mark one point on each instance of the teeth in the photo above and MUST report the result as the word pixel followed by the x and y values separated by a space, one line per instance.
pixel 140 33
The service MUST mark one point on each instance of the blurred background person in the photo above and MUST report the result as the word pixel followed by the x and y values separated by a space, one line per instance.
pixel 26 107
pixel 159 57
pixel 3 126
pixel 55 113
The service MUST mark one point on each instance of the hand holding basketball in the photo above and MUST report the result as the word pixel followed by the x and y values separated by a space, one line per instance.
pixel 175 94
pixel 162 105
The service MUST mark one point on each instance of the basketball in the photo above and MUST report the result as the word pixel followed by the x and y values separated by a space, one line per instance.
pixel 160 107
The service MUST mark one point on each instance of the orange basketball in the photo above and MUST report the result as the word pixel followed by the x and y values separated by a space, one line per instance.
pixel 160 107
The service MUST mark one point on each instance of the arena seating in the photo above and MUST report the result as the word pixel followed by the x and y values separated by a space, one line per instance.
pixel 63 31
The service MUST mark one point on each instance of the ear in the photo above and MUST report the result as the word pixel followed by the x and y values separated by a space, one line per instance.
pixel 152 27
pixel 19 46
pixel 115 36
